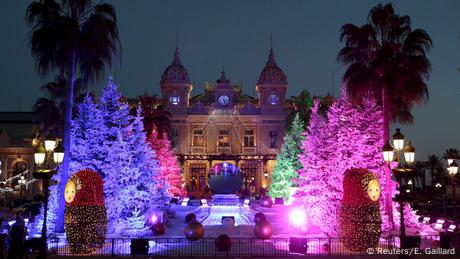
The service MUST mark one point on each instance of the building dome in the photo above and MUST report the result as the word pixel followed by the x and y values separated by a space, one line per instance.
pixel 272 74
pixel 176 72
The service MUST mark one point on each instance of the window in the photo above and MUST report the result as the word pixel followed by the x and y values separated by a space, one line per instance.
pixel 174 100
pixel 223 140
pixel 273 99
pixel 198 138
pixel 249 138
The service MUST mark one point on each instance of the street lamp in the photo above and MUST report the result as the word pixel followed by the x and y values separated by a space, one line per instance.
pixel 400 172
pixel 47 158
pixel 453 169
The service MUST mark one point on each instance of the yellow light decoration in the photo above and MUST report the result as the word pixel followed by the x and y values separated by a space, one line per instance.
pixel 85 215
pixel 359 217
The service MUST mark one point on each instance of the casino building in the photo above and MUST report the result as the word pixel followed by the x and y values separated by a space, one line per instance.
pixel 224 125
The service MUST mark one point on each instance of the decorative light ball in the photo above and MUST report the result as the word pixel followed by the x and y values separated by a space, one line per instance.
pixel 259 216
pixel 194 231
pixel 228 223
pixel 158 229
pixel 266 201
pixel 190 217
pixel 223 243
pixel 263 229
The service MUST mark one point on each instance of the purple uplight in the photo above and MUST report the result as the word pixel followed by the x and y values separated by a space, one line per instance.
pixel 153 219
pixel 298 218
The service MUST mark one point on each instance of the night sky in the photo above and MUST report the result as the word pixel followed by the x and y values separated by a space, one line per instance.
pixel 236 34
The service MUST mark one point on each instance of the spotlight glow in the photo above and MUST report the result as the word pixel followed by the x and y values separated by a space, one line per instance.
pixel 153 219
pixel 298 218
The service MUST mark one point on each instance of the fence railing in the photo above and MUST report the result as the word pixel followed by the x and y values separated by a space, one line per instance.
pixel 240 246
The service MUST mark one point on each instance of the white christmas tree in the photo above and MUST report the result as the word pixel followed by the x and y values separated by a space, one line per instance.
pixel 131 168
pixel 87 148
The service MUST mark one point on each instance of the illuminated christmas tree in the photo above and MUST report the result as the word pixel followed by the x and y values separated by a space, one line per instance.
pixel 349 138
pixel 319 182
pixel 129 186
pixel 86 152
pixel 283 173
pixel 170 171
pixel 287 161
pixel 87 148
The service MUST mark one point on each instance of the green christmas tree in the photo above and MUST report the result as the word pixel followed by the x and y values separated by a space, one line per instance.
pixel 283 172
pixel 296 137
pixel 287 162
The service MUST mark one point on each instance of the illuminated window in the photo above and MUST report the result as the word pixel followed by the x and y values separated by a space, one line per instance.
pixel 174 100
pixel 249 138
pixel 273 99
pixel 223 140
pixel 198 138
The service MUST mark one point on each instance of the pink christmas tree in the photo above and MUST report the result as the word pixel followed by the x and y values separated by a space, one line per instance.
pixel 169 175
pixel 350 137
pixel 320 187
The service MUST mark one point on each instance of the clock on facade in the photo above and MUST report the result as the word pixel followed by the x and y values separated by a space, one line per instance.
pixel 273 99
pixel 224 100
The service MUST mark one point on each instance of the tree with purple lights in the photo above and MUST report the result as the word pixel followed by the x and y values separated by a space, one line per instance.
pixel 87 151
pixel 387 58
pixel 87 147
pixel 350 137
pixel 138 191
pixel 319 181
pixel 77 39
pixel 130 167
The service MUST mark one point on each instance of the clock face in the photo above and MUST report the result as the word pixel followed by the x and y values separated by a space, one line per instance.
pixel 224 100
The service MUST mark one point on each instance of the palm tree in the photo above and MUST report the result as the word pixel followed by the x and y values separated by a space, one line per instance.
pixel 49 111
pixel 434 165
pixel 76 38
pixel 302 105
pixel 419 167
pixel 154 114
pixel 451 153
pixel 386 60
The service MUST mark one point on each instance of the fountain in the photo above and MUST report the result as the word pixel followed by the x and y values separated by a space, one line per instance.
pixel 225 179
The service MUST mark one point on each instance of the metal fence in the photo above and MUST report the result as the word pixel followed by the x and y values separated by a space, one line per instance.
pixel 240 247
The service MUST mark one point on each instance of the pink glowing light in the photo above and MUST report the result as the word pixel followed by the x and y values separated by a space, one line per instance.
pixel 153 219
pixel 298 218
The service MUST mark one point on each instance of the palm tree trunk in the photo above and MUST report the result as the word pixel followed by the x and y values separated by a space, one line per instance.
pixel 386 137
pixel 66 142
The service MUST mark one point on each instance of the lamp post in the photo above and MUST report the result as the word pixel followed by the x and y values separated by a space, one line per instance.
pixel 47 158
pixel 401 173
pixel 453 169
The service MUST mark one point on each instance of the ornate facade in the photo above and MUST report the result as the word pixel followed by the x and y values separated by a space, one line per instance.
pixel 223 124
pixel 16 156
